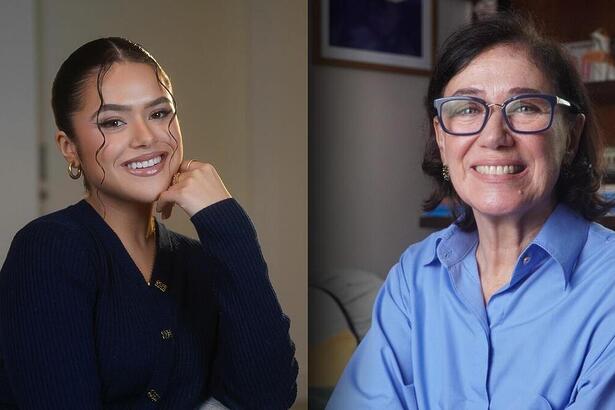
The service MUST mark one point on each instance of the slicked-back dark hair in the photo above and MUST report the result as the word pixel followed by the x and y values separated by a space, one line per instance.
pixel 93 60
pixel 579 179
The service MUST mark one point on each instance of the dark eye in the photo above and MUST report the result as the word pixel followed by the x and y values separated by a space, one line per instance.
pixel 464 109
pixel 157 115
pixel 529 106
pixel 526 108
pixel 111 123
pixel 468 110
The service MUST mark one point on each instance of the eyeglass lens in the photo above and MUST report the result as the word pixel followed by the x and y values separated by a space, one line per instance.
pixel 530 114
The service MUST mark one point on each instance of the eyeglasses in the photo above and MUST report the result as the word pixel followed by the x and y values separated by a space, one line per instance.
pixel 524 114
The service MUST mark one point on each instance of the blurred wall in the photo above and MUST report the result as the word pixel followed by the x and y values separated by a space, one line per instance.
pixel 18 120
pixel 278 167
pixel 239 72
pixel 367 132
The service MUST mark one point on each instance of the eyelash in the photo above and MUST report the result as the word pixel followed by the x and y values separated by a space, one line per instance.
pixel 113 123
pixel 110 123
pixel 164 114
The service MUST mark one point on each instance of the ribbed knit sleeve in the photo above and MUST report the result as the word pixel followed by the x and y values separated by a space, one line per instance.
pixel 255 366
pixel 47 296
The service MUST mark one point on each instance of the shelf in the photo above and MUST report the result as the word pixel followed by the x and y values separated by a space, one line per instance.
pixel 568 20
pixel 433 222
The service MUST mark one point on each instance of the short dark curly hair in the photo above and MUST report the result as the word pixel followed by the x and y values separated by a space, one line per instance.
pixel 579 180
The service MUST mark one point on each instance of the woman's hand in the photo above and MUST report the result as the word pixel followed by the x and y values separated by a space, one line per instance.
pixel 196 186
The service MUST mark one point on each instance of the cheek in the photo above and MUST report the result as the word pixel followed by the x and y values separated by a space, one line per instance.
pixel 456 149
pixel 559 138
pixel 178 151
pixel 171 134
pixel 105 147
pixel 176 138
pixel 89 143
pixel 552 155
pixel 102 162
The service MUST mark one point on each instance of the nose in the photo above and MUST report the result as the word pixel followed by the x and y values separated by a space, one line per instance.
pixel 496 133
pixel 143 135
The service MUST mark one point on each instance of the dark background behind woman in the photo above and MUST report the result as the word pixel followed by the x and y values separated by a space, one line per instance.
pixel 367 133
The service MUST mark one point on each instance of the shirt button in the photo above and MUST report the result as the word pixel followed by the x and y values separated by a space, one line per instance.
pixel 166 334
pixel 153 395
pixel 527 259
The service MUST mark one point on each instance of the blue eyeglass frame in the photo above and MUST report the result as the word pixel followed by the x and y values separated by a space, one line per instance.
pixel 552 99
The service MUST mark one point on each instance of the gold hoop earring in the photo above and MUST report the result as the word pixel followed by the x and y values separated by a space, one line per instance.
pixel 71 173
pixel 445 175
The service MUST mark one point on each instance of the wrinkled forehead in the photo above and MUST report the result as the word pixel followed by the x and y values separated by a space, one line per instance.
pixel 499 70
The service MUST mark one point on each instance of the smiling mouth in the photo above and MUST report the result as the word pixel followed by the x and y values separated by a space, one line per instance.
pixel 145 164
pixel 499 169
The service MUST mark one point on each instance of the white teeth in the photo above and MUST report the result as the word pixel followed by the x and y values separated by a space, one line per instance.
pixel 145 164
pixel 498 169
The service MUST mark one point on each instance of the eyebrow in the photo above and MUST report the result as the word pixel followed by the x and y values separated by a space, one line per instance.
pixel 513 91
pixel 467 91
pixel 120 107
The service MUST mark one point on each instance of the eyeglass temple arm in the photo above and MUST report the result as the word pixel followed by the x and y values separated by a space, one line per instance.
pixel 568 104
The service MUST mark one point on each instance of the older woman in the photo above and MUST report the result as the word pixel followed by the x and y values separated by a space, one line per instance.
pixel 512 306
pixel 101 306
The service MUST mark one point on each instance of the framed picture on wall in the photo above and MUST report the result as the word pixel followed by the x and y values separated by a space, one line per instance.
pixel 391 35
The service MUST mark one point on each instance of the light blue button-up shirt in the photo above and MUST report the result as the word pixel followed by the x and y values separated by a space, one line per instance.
pixel 546 340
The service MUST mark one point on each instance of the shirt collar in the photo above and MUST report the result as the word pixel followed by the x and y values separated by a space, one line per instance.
pixel 562 236
pixel 450 245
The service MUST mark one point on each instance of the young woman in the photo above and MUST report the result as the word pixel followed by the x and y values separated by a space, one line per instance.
pixel 100 305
